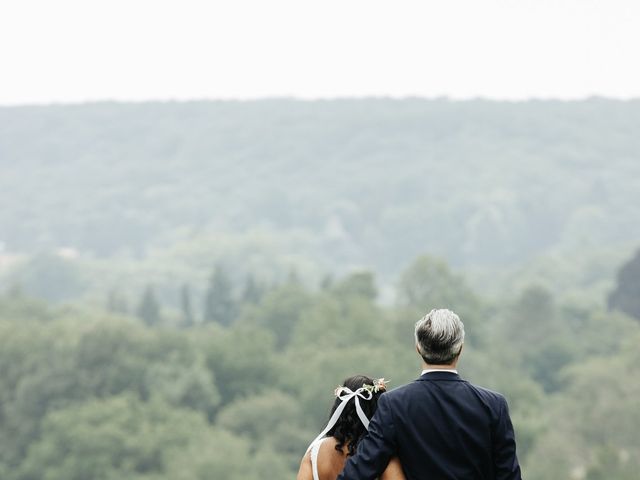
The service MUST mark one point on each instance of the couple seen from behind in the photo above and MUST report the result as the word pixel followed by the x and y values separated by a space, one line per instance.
pixel 438 427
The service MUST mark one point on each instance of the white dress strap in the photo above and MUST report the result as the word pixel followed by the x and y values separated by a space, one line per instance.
pixel 315 448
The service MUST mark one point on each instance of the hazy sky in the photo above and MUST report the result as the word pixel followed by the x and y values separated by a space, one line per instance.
pixel 76 50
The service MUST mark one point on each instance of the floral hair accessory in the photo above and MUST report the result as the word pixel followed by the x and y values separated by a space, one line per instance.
pixel 379 385
pixel 345 394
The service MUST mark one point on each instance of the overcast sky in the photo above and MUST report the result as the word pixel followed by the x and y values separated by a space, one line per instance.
pixel 78 50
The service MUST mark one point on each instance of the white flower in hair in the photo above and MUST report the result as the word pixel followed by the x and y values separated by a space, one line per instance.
pixel 379 385
pixel 339 389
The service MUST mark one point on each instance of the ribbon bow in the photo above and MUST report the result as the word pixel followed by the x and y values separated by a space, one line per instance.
pixel 345 394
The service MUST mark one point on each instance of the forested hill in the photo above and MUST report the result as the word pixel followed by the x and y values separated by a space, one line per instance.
pixel 372 181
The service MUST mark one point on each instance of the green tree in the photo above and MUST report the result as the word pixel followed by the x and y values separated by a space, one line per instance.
pixel 260 415
pixel 537 333
pixel 253 291
pixel 149 308
pixel 219 305
pixel 546 361
pixel 429 283
pixel 340 322
pixel 533 318
pixel 188 319
pixel 593 425
pixel 242 358
pixel 270 418
pixel 359 284
pixel 626 296
pixel 37 373
pixel 182 382
pixel 280 311
pixel 327 282
pixel 106 439
pixel 116 357
pixel 222 455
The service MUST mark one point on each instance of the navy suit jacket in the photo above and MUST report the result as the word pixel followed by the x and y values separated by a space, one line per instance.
pixel 441 428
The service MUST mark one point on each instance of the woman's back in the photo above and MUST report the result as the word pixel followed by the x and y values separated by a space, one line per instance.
pixel 324 462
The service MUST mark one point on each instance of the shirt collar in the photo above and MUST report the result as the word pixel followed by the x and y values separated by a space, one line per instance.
pixel 429 370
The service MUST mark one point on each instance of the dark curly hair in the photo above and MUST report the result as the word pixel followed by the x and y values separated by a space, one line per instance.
pixel 349 429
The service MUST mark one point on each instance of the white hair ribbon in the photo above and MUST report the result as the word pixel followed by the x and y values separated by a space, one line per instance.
pixel 345 394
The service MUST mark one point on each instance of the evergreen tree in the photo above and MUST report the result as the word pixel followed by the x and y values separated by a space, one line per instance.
pixel 149 308
pixel 253 291
pixel 218 303
pixel 532 319
pixel 626 296
pixel 185 303
pixel 327 283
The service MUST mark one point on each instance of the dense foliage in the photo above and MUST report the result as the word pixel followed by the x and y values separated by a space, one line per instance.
pixel 90 394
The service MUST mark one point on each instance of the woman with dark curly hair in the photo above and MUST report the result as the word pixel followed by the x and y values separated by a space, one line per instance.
pixel 356 401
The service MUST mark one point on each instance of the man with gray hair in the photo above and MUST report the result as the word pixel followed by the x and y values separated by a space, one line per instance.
pixel 440 426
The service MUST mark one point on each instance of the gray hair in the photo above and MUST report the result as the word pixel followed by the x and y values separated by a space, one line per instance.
pixel 439 337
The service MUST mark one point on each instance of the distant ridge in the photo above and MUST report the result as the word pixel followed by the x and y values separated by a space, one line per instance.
pixel 376 181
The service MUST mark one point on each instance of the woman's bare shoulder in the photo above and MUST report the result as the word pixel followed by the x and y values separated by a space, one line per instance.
pixel 305 472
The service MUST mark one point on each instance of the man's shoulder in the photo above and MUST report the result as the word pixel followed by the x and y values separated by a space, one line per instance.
pixel 402 392
pixel 398 391
pixel 487 394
